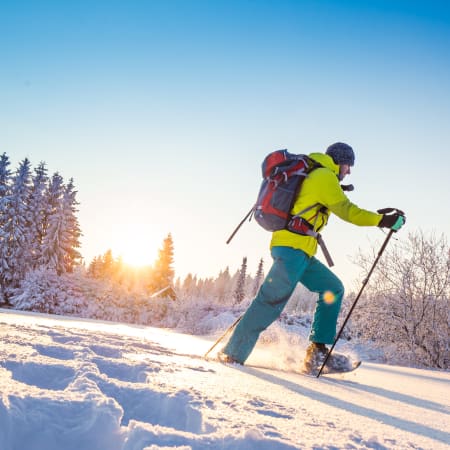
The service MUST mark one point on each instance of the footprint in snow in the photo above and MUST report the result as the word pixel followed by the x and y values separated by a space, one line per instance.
pixel 43 376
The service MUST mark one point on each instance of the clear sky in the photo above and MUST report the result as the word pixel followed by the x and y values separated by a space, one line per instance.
pixel 162 111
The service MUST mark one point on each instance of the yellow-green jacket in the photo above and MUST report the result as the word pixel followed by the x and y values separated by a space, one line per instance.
pixel 322 187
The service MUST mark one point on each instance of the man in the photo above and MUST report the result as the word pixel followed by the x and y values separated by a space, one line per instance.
pixel 294 261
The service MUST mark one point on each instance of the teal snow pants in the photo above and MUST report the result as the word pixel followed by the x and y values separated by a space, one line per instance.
pixel 290 266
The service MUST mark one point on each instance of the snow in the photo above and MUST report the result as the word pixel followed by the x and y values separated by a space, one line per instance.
pixel 69 383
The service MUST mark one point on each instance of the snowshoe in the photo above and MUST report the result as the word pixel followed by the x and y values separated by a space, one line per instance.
pixel 227 359
pixel 337 362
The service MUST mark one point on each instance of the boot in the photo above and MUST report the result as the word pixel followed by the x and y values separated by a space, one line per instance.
pixel 227 359
pixel 315 356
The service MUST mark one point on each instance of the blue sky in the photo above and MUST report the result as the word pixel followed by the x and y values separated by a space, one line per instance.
pixel 162 112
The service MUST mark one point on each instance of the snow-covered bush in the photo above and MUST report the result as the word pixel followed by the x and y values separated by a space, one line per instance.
pixel 43 290
pixel 407 301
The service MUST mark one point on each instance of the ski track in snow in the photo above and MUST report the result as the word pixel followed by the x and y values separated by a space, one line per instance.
pixel 79 384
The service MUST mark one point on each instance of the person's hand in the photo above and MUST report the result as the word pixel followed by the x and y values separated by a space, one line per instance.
pixel 392 218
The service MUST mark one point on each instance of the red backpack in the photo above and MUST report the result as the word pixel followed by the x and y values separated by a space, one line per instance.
pixel 283 174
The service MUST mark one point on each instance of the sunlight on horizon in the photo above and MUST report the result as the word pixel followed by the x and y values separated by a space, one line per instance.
pixel 135 247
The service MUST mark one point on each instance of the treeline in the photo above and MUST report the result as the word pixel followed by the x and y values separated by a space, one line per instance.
pixel 149 279
pixel 228 288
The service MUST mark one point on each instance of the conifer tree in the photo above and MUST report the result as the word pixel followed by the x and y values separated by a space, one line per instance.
pixel 5 175
pixel 190 284
pixel 94 269
pixel 223 285
pixel 239 293
pixel 163 271
pixel 52 254
pixel 108 263
pixel 38 212
pixel 16 221
pixel 72 232
pixel 258 277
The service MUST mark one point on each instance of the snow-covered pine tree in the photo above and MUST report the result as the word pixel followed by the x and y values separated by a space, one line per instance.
pixel 163 272
pixel 5 178
pixel 239 292
pixel 258 277
pixel 72 232
pixel 189 287
pixel 15 228
pixel 107 268
pixel 52 252
pixel 5 175
pixel 223 287
pixel 94 269
pixel 38 213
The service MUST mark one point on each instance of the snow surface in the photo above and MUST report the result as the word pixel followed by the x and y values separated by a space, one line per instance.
pixel 81 384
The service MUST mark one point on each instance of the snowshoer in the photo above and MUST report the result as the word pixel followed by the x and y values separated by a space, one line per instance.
pixel 294 261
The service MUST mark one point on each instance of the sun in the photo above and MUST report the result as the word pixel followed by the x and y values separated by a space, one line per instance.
pixel 135 257
pixel 135 248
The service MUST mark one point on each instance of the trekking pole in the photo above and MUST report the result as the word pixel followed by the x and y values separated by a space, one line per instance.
pixel 240 225
pixel 223 335
pixel 366 280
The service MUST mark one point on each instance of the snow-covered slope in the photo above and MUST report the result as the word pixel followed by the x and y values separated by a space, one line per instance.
pixel 79 384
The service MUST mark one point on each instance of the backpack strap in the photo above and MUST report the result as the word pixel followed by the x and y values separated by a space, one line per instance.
pixel 301 226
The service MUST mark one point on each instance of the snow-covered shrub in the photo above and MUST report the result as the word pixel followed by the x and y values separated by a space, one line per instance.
pixel 407 301
pixel 42 290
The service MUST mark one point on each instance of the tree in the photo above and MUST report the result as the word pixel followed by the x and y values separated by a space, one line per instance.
pixel 52 252
pixel 239 292
pixel 95 267
pixel 408 299
pixel 258 277
pixel 103 267
pixel 189 286
pixel 71 232
pixel 108 264
pixel 38 213
pixel 223 286
pixel 16 222
pixel 163 272
pixel 5 175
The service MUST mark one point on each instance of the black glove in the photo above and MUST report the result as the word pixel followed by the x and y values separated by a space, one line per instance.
pixel 392 218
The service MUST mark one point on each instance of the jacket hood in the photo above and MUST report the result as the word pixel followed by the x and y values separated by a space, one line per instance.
pixel 325 161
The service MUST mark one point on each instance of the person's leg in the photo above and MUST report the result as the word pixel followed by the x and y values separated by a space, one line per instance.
pixel 287 268
pixel 319 278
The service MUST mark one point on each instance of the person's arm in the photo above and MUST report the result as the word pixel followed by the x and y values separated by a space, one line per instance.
pixel 332 197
